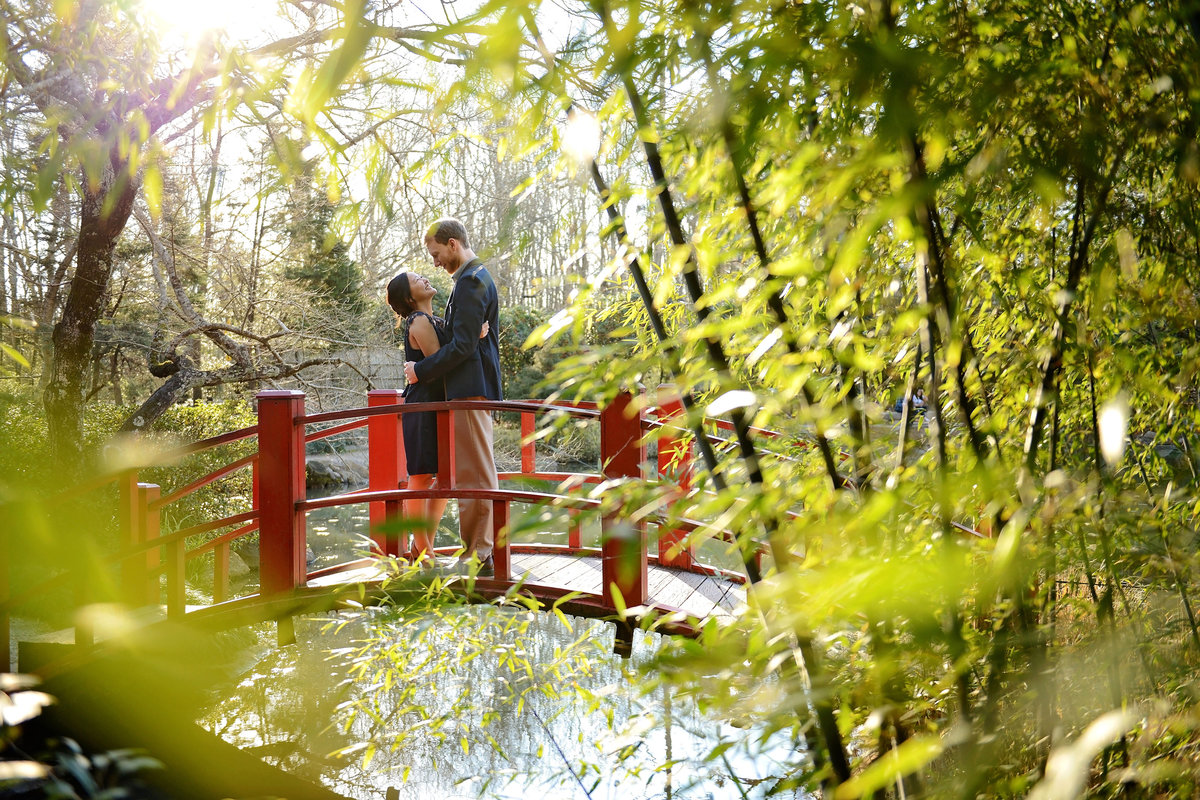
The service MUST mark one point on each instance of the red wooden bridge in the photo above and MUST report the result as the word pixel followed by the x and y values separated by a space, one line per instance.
pixel 644 565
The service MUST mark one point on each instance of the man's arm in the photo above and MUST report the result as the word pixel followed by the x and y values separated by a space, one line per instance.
pixel 470 297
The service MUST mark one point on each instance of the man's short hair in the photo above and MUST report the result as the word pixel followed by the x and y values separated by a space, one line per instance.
pixel 448 228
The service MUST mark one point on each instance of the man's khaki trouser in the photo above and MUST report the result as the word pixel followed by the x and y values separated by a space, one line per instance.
pixel 475 468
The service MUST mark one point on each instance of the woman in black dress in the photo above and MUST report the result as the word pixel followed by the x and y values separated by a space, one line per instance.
pixel 411 296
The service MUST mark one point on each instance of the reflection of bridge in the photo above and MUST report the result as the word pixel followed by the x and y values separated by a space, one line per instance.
pixel 630 574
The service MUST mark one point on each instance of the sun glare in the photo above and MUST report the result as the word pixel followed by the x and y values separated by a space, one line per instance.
pixel 241 20
pixel 581 135
pixel 1114 425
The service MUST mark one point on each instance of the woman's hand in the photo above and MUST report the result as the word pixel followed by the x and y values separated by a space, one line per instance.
pixel 483 333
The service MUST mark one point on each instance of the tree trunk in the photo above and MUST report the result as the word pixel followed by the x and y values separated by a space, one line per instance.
pixel 183 376
pixel 105 209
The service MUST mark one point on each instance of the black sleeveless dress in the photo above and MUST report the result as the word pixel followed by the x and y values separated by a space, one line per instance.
pixel 420 428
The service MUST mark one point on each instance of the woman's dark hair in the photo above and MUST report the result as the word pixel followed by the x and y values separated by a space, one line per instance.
pixel 399 295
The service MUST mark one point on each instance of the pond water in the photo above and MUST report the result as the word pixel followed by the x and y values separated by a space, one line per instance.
pixel 487 702
pixel 454 701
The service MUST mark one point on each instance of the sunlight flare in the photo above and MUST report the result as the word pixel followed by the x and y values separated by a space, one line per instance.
pixel 239 19
pixel 581 135
pixel 1114 424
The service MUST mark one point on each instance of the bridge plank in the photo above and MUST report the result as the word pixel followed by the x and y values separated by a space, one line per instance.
pixel 678 590
pixel 708 590
pixel 577 573
pixel 535 566
pixel 663 585
pixel 699 596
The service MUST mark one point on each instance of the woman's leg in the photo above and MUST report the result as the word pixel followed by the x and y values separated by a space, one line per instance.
pixel 429 512
pixel 434 510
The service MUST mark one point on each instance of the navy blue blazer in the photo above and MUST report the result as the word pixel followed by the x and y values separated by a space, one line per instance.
pixel 469 365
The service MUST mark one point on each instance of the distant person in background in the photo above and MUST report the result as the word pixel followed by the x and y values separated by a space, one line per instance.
pixel 919 401
pixel 470 367
pixel 411 296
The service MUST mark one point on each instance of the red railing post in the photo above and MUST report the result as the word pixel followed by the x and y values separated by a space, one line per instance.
pixel 528 454
pixel 133 576
pixel 282 539
pixel 501 547
pixel 387 465
pixel 674 463
pixel 5 595
pixel 149 526
pixel 446 455
pixel 574 529
pixel 176 579
pixel 221 573
pixel 623 543
pixel 254 482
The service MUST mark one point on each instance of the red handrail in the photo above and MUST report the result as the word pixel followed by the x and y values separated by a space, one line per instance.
pixel 524 406
pixel 209 443
pixel 203 481
pixel 623 453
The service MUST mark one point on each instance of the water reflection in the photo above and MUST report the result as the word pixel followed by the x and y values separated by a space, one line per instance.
pixel 486 702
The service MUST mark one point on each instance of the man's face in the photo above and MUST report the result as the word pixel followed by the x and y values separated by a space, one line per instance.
pixel 445 255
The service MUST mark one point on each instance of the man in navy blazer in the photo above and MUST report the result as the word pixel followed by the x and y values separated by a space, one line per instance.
pixel 470 367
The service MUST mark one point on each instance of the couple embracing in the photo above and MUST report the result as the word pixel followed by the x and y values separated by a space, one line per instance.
pixel 455 357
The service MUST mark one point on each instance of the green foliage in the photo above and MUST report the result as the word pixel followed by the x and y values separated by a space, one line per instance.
pixel 520 369
pixel 183 424
pixel 58 767
pixel 991 201
pixel 333 280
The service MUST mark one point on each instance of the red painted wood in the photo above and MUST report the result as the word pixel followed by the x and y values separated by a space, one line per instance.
pixel 133 575
pixel 255 497
pixel 446 456
pixel 395 543
pixel 579 410
pixel 280 500
pixel 208 444
pixel 528 454
pixel 623 543
pixel 325 433
pixel 502 548
pixel 176 579
pixel 217 524
pixel 210 478
pixel 5 596
pixel 226 538
pixel 149 527
pixel 675 465
pixel 221 573
pixel 282 533
pixel 574 529
pixel 506 495
pixel 387 464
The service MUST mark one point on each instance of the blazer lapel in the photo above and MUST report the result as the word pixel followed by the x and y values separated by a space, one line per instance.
pixel 454 288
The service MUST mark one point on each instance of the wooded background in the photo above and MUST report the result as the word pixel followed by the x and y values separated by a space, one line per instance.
pixel 795 212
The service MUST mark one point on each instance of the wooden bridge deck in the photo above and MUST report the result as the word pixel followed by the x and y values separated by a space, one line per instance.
pixel 699 596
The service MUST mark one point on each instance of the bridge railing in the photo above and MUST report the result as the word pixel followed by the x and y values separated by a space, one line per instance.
pixel 623 547
pixel 153 565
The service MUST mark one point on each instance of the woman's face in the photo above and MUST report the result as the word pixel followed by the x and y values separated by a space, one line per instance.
pixel 419 287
